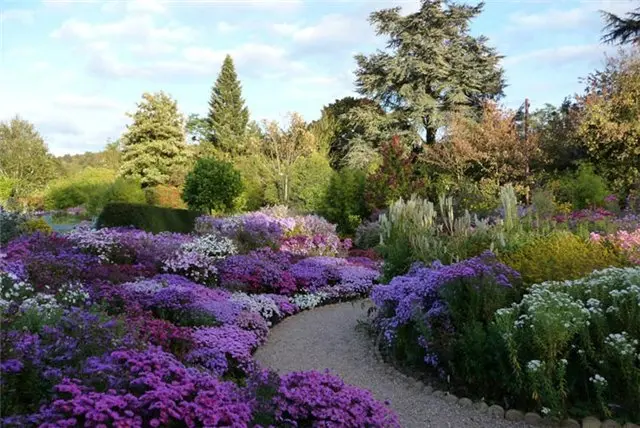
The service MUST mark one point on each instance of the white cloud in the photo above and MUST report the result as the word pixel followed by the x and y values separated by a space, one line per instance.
pixel 588 13
pixel 560 55
pixel 225 27
pixel 553 18
pixel 136 6
pixel 22 16
pixel 335 30
pixel 85 102
pixel 129 28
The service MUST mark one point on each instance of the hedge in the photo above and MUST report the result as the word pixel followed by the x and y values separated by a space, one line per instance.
pixel 147 217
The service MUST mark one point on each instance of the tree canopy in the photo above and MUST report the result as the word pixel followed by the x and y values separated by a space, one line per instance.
pixel 154 150
pixel 431 66
pixel 25 160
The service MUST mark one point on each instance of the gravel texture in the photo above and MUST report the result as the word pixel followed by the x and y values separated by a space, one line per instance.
pixel 327 338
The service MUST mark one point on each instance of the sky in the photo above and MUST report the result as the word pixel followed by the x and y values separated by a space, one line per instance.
pixel 75 68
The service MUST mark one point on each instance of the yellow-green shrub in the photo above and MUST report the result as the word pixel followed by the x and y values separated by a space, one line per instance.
pixel 34 225
pixel 560 256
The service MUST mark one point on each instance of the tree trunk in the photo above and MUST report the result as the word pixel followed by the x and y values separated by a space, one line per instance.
pixel 286 189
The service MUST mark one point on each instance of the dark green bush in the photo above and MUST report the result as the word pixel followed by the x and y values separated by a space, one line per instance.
pixel 212 185
pixel 344 203
pixel 147 217
pixel 584 189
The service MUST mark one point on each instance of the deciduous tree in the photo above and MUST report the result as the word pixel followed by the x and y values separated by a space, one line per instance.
pixel 24 157
pixel 610 128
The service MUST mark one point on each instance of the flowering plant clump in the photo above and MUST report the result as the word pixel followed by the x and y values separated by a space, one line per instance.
pixel 300 235
pixel 627 242
pixel 197 259
pixel 324 399
pixel 565 331
pixel 259 271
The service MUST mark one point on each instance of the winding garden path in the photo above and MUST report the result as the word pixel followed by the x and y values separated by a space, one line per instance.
pixel 327 337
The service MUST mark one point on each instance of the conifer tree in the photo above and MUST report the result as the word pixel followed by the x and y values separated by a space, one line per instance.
pixel 432 65
pixel 154 146
pixel 228 116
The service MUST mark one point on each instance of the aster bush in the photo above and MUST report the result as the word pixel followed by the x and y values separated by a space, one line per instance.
pixel 435 316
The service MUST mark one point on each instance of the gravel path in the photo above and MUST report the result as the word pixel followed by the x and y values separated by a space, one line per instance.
pixel 327 337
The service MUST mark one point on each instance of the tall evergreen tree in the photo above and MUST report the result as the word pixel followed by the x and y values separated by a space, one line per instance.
pixel 228 116
pixel 622 30
pixel 154 147
pixel 432 65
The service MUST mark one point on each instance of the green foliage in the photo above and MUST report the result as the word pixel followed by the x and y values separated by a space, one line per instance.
pixel 7 186
pixel 583 354
pixel 11 223
pixel 309 182
pixel 344 204
pixel 228 116
pixel 86 187
pixel 351 121
pixel 543 203
pixel 583 189
pixel 560 256
pixel 407 232
pixel 109 158
pixel 432 65
pixel 165 196
pixel 147 217
pixel 35 225
pixel 396 178
pixel 475 353
pixel 610 127
pixel 24 156
pixel 556 129
pixel 126 191
pixel 154 150
pixel 212 185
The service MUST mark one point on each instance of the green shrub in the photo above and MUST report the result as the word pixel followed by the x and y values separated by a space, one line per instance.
pixel 344 204
pixel 574 344
pixel 10 223
pixel 124 190
pixel 584 188
pixel 212 185
pixel 309 182
pixel 34 225
pixel 147 217
pixel 84 188
pixel 7 186
pixel 560 256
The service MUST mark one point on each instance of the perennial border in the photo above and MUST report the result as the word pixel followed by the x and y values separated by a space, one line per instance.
pixel 531 418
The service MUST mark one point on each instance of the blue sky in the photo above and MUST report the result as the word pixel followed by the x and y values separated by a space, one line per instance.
pixel 74 68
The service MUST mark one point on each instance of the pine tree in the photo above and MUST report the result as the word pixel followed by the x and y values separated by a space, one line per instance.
pixel 432 65
pixel 228 116
pixel 154 147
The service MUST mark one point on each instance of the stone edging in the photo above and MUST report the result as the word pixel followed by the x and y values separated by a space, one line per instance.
pixel 496 411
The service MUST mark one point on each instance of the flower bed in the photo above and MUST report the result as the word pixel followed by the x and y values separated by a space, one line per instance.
pixel 119 327
pixel 565 347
